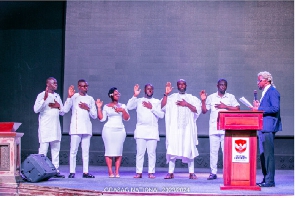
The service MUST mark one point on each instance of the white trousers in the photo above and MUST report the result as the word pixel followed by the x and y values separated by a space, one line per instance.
pixel 141 146
pixel 85 144
pixel 215 141
pixel 55 147
pixel 191 166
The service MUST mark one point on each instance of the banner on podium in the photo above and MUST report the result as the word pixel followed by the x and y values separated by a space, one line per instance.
pixel 240 150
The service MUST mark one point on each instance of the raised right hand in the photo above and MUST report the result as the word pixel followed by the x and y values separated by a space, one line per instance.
pixel 168 88
pixel 99 103
pixel 46 93
pixel 71 91
pixel 136 90
pixel 203 95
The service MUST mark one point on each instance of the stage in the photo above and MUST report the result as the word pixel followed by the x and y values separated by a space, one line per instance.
pixel 128 186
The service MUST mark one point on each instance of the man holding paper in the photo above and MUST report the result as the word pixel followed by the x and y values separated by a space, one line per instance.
pixel 216 102
pixel 270 105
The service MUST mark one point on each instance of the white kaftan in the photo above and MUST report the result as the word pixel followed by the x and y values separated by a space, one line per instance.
pixel 80 128
pixel 49 126
pixel 147 119
pixel 80 120
pixel 147 130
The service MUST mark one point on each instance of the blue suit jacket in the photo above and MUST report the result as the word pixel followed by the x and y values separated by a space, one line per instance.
pixel 270 104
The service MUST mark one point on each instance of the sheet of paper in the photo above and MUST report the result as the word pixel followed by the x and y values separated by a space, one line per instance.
pixel 245 102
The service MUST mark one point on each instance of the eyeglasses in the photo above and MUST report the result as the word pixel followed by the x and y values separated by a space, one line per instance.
pixel 259 81
pixel 85 86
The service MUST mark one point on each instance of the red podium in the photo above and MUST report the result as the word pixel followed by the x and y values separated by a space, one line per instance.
pixel 10 158
pixel 240 148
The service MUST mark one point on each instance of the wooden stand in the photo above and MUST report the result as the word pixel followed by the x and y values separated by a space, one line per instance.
pixel 240 148
pixel 10 160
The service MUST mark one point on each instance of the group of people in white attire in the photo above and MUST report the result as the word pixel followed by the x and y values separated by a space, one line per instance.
pixel 49 106
pixel 181 111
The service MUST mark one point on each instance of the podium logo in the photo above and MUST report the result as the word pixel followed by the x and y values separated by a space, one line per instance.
pixel 240 145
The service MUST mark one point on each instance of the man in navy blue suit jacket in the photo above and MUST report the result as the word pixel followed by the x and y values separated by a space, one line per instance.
pixel 270 105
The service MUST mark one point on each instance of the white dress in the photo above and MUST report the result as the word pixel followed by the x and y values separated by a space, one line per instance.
pixel 113 132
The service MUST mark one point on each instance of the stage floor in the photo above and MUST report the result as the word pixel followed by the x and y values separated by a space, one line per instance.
pixel 180 185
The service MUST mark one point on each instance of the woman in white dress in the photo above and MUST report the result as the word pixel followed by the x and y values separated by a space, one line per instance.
pixel 113 132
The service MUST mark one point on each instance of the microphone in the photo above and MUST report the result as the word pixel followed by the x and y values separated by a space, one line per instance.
pixel 255 95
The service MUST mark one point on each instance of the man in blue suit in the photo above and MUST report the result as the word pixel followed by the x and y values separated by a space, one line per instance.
pixel 270 105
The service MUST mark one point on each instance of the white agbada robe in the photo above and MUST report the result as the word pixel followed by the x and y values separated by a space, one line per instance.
pixel 49 125
pixel 181 128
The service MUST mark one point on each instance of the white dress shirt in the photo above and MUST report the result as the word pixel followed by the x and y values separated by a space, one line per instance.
pixel 264 91
pixel 227 99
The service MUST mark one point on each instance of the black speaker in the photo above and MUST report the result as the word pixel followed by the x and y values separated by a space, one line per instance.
pixel 37 167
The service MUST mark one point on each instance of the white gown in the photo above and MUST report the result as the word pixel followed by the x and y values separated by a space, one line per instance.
pixel 113 132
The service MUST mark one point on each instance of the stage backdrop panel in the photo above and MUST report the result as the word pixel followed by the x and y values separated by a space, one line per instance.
pixel 31 40
pixel 121 43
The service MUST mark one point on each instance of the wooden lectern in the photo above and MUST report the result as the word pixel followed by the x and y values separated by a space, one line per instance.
pixel 240 148
pixel 10 160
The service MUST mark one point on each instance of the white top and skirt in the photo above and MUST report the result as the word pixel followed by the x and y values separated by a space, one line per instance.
pixel 113 132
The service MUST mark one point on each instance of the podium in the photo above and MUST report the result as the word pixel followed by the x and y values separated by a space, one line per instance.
pixel 240 148
pixel 10 160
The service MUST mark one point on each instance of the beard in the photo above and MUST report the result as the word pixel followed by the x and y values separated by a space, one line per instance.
pixel 182 91
pixel 149 95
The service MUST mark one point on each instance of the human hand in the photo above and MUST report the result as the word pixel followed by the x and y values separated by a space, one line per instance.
pixel 203 95
pixel 83 105
pixel 256 104
pixel 136 90
pixel 99 103
pixel 54 105
pixel 71 91
pixel 221 105
pixel 46 93
pixel 182 103
pixel 168 88
pixel 147 105
pixel 254 108
pixel 118 109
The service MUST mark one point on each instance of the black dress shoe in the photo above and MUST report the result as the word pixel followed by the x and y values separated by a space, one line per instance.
pixel 138 175
pixel 263 181
pixel 87 175
pixel 212 176
pixel 58 175
pixel 72 175
pixel 169 176
pixel 266 185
